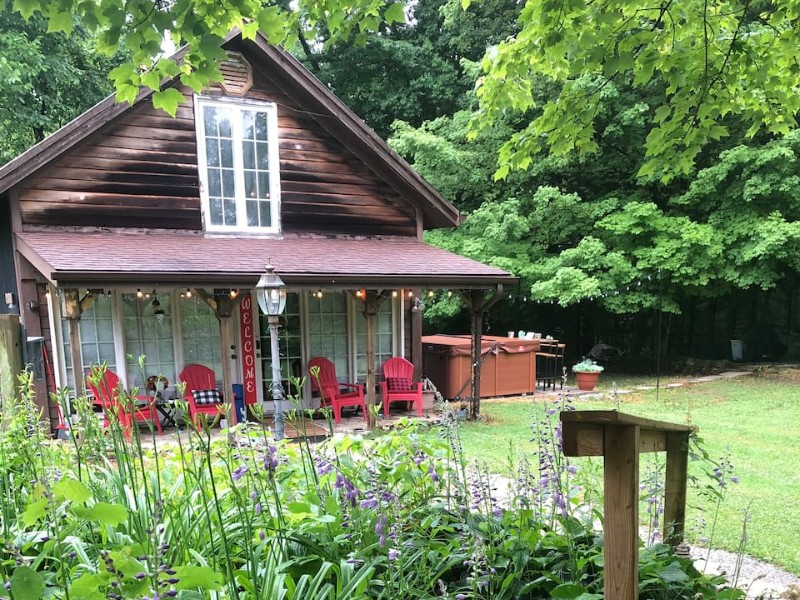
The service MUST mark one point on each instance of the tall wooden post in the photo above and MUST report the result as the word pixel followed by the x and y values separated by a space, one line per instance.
pixel 621 508
pixel 478 304
pixel 372 302
pixel 476 329
pixel 222 304
pixel 416 337
pixel 72 308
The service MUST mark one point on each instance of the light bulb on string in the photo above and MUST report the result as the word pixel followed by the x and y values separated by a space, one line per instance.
pixel 394 293
pixel 139 293
pixel 188 292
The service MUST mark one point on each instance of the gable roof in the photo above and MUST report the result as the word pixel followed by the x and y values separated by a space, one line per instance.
pixel 331 114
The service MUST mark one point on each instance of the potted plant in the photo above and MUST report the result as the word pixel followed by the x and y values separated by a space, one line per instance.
pixel 586 373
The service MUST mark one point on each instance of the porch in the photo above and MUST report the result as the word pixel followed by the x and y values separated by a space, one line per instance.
pixel 179 299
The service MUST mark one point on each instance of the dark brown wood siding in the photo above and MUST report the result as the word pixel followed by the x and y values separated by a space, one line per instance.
pixel 141 171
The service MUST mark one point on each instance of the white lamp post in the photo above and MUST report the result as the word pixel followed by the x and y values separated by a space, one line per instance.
pixel 271 294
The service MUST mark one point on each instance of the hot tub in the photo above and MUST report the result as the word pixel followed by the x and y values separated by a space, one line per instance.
pixel 509 366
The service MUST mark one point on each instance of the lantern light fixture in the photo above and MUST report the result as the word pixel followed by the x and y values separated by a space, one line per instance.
pixel 271 293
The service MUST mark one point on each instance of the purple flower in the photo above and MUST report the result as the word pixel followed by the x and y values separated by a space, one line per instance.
pixel 258 508
pixel 380 525
pixel 239 472
pixel 433 474
pixel 261 534
pixel 323 466
pixel 271 458
pixel 394 554
pixel 369 503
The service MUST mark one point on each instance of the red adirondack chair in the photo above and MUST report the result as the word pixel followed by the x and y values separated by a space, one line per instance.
pixel 332 392
pixel 398 384
pixel 201 392
pixel 106 386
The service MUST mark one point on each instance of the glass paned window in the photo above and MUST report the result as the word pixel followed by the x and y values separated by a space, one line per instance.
pixel 290 344
pixel 148 333
pixel 240 152
pixel 200 334
pixel 96 328
pixel 327 330
pixel 383 340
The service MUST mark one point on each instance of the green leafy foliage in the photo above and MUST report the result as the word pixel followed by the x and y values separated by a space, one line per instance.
pixel 712 65
pixel 50 72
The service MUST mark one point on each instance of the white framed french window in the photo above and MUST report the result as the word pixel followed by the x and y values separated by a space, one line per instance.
pixel 238 165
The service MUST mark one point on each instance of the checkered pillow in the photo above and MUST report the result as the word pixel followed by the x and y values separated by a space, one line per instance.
pixel 399 384
pixel 205 397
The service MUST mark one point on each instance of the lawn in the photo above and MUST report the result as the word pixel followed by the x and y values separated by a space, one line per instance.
pixel 755 421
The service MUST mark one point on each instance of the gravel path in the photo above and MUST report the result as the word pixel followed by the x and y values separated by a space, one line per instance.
pixel 759 579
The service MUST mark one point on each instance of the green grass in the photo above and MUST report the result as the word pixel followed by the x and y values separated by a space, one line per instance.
pixel 753 420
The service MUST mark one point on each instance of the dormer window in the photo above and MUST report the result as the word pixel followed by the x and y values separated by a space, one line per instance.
pixel 238 163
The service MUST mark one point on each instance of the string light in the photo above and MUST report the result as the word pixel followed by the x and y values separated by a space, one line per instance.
pixel 139 293
pixel 450 293
pixel 430 294
pixel 394 293
pixel 359 294
pixel 410 294
pixel 188 292
pixel 234 293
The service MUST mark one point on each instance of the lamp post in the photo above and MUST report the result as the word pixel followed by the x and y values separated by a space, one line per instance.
pixel 271 294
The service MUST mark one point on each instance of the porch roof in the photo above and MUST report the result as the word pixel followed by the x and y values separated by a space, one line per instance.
pixel 107 259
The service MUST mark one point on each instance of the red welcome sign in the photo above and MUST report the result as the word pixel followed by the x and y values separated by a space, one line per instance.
pixel 248 350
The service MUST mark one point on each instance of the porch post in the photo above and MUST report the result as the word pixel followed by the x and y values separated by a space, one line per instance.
pixel 416 338
pixel 72 308
pixel 222 304
pixel 372 302
pixel 476 329
pixel 478 304
pixel 227 381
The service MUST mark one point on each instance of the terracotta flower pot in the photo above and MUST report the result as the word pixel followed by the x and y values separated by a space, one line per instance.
pixel 587 380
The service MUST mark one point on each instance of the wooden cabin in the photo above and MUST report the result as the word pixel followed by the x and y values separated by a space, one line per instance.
pixel 124 226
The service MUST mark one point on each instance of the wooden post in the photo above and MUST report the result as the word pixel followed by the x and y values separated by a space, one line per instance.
pixel 372 302
pixel 620 438
pixel 72 307
pixel 675 488
pixel 476 329
pixel 416 338
pixel 621 493
pixel 227 381
pixel 10 355
pixel 478 304
pixel 222 304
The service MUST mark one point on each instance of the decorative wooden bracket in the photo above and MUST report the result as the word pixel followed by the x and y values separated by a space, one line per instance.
pixel 620 438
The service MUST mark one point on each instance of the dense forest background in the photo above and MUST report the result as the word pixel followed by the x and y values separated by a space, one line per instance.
pixel 604 253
